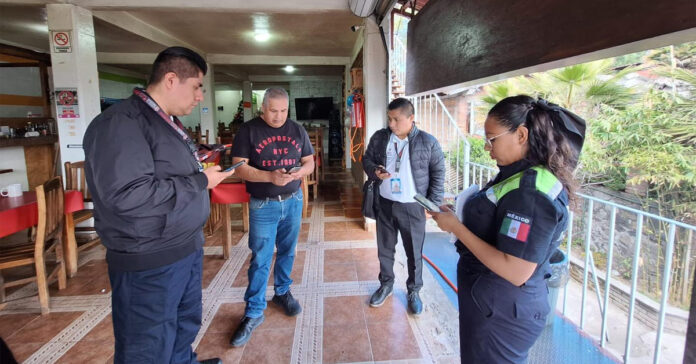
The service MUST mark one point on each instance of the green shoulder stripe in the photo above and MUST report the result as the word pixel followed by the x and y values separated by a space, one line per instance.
pixel 545 182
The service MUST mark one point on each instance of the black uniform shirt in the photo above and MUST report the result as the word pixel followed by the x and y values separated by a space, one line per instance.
pixel 525 223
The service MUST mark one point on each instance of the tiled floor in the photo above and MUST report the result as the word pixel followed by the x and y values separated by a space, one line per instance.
pixel 335 271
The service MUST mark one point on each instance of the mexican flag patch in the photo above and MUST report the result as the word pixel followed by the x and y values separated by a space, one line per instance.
pixel 516 226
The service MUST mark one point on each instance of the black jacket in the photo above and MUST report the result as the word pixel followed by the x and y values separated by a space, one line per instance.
pixel 427 161
pixel 150 200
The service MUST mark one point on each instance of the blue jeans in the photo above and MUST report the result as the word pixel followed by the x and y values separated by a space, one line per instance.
pixel 271 224
pixel 157 312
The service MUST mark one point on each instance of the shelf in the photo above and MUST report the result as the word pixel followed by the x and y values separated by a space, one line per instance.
pixel 23 142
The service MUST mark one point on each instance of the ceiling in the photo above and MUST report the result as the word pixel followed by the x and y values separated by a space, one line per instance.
pixel 316 34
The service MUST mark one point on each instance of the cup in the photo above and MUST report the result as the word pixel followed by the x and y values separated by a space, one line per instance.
pixel 13 190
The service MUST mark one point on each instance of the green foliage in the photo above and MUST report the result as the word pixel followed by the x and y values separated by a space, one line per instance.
pixel 478 153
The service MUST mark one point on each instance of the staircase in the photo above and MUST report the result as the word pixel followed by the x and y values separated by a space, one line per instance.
pixel 397 65
pixel 397 88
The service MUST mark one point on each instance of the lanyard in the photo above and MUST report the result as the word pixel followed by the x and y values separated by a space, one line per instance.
pixel 398 156
pixel 175 124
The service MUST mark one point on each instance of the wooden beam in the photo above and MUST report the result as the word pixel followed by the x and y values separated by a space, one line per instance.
pixel 24 53
pixel 19 64
pixel 21 100
pixel 14 59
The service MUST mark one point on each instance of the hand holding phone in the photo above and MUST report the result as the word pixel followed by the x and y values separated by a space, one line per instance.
pixel 294 169
pixel 381 169
pixel 234 166
pixel 427 204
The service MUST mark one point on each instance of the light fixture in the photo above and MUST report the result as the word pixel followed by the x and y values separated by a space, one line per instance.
pixel 289 69
pixel 261 35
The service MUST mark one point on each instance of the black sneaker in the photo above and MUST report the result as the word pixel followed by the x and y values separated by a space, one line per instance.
pixel 243 333
pixel 414 303
pixel 380 295
pixel 288 303
pixel 211 361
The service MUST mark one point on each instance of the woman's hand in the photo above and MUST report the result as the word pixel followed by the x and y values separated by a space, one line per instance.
pixel 446 219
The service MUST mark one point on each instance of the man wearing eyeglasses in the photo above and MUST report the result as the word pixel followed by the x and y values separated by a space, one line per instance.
pixel 406 161
pixel 150 195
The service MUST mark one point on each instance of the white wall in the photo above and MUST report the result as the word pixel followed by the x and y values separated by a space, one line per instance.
pixel 324 88
pixel 229 100
pixel 13 158
pixel 115 89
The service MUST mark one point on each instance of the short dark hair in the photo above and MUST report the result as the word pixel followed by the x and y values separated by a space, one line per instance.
pixel 403 104
pixel 184 62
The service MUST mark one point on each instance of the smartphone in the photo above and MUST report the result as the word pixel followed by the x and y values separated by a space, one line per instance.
pixel 381 170
pixel 293 170
pixel 429 205
pixel 234 166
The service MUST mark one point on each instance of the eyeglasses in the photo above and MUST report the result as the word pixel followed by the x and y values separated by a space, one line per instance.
pixel 489 141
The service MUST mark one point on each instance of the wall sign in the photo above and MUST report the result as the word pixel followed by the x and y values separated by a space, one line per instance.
pixel 61 42
pixel 66 103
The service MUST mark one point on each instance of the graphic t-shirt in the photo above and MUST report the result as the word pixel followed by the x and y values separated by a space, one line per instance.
pixel 268 149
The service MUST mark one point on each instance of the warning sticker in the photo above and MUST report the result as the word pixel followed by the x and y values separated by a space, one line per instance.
pixel 66 103
pixel 61 42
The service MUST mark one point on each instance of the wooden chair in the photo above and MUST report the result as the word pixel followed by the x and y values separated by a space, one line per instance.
pixel 316 137
pixel 47 244
pixel 215 219
pixel 75 180
pixel 204 138
pixel 305 198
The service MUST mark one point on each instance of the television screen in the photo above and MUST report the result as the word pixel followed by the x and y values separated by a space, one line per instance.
pixel 313 108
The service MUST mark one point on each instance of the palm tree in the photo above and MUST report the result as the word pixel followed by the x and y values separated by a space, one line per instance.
pixel 580 87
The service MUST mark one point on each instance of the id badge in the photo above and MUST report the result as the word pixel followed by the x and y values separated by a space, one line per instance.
pixel 395 186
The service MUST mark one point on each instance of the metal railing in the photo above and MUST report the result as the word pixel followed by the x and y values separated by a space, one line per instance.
pixel 398 62
pixel 433 117
pixel 480 174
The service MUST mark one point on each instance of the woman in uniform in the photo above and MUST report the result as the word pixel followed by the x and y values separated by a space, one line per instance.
pixel 512 226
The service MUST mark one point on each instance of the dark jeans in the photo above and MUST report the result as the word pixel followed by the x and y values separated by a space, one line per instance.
pixel 157 312
pixel 408 219
pixel 271 224
pixel 498 322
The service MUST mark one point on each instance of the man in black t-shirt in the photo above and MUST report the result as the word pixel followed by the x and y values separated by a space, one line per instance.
pixel 272 145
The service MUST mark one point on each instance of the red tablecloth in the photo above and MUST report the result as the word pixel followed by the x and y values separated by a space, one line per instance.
pixel 227 193
pixel 19 213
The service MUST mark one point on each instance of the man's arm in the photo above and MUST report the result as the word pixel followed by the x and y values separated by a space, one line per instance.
pixel 307 163
pixel 436 166
pixel 122 170
pixel 369 161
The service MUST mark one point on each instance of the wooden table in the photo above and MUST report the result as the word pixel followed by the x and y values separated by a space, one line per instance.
pixel 231 191
pixel 19 213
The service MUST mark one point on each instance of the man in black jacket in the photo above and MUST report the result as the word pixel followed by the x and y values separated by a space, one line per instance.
pixel 407 161
pixel 150 204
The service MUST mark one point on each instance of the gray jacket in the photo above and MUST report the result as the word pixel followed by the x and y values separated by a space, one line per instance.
pixel 427 161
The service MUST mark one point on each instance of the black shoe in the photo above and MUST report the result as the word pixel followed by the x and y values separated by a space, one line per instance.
pixel 288 303
pixel 243 333
pixel 211 361
pixel 380 295
pixel 414 303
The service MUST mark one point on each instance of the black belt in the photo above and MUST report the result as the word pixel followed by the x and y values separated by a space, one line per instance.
pixel 279 198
